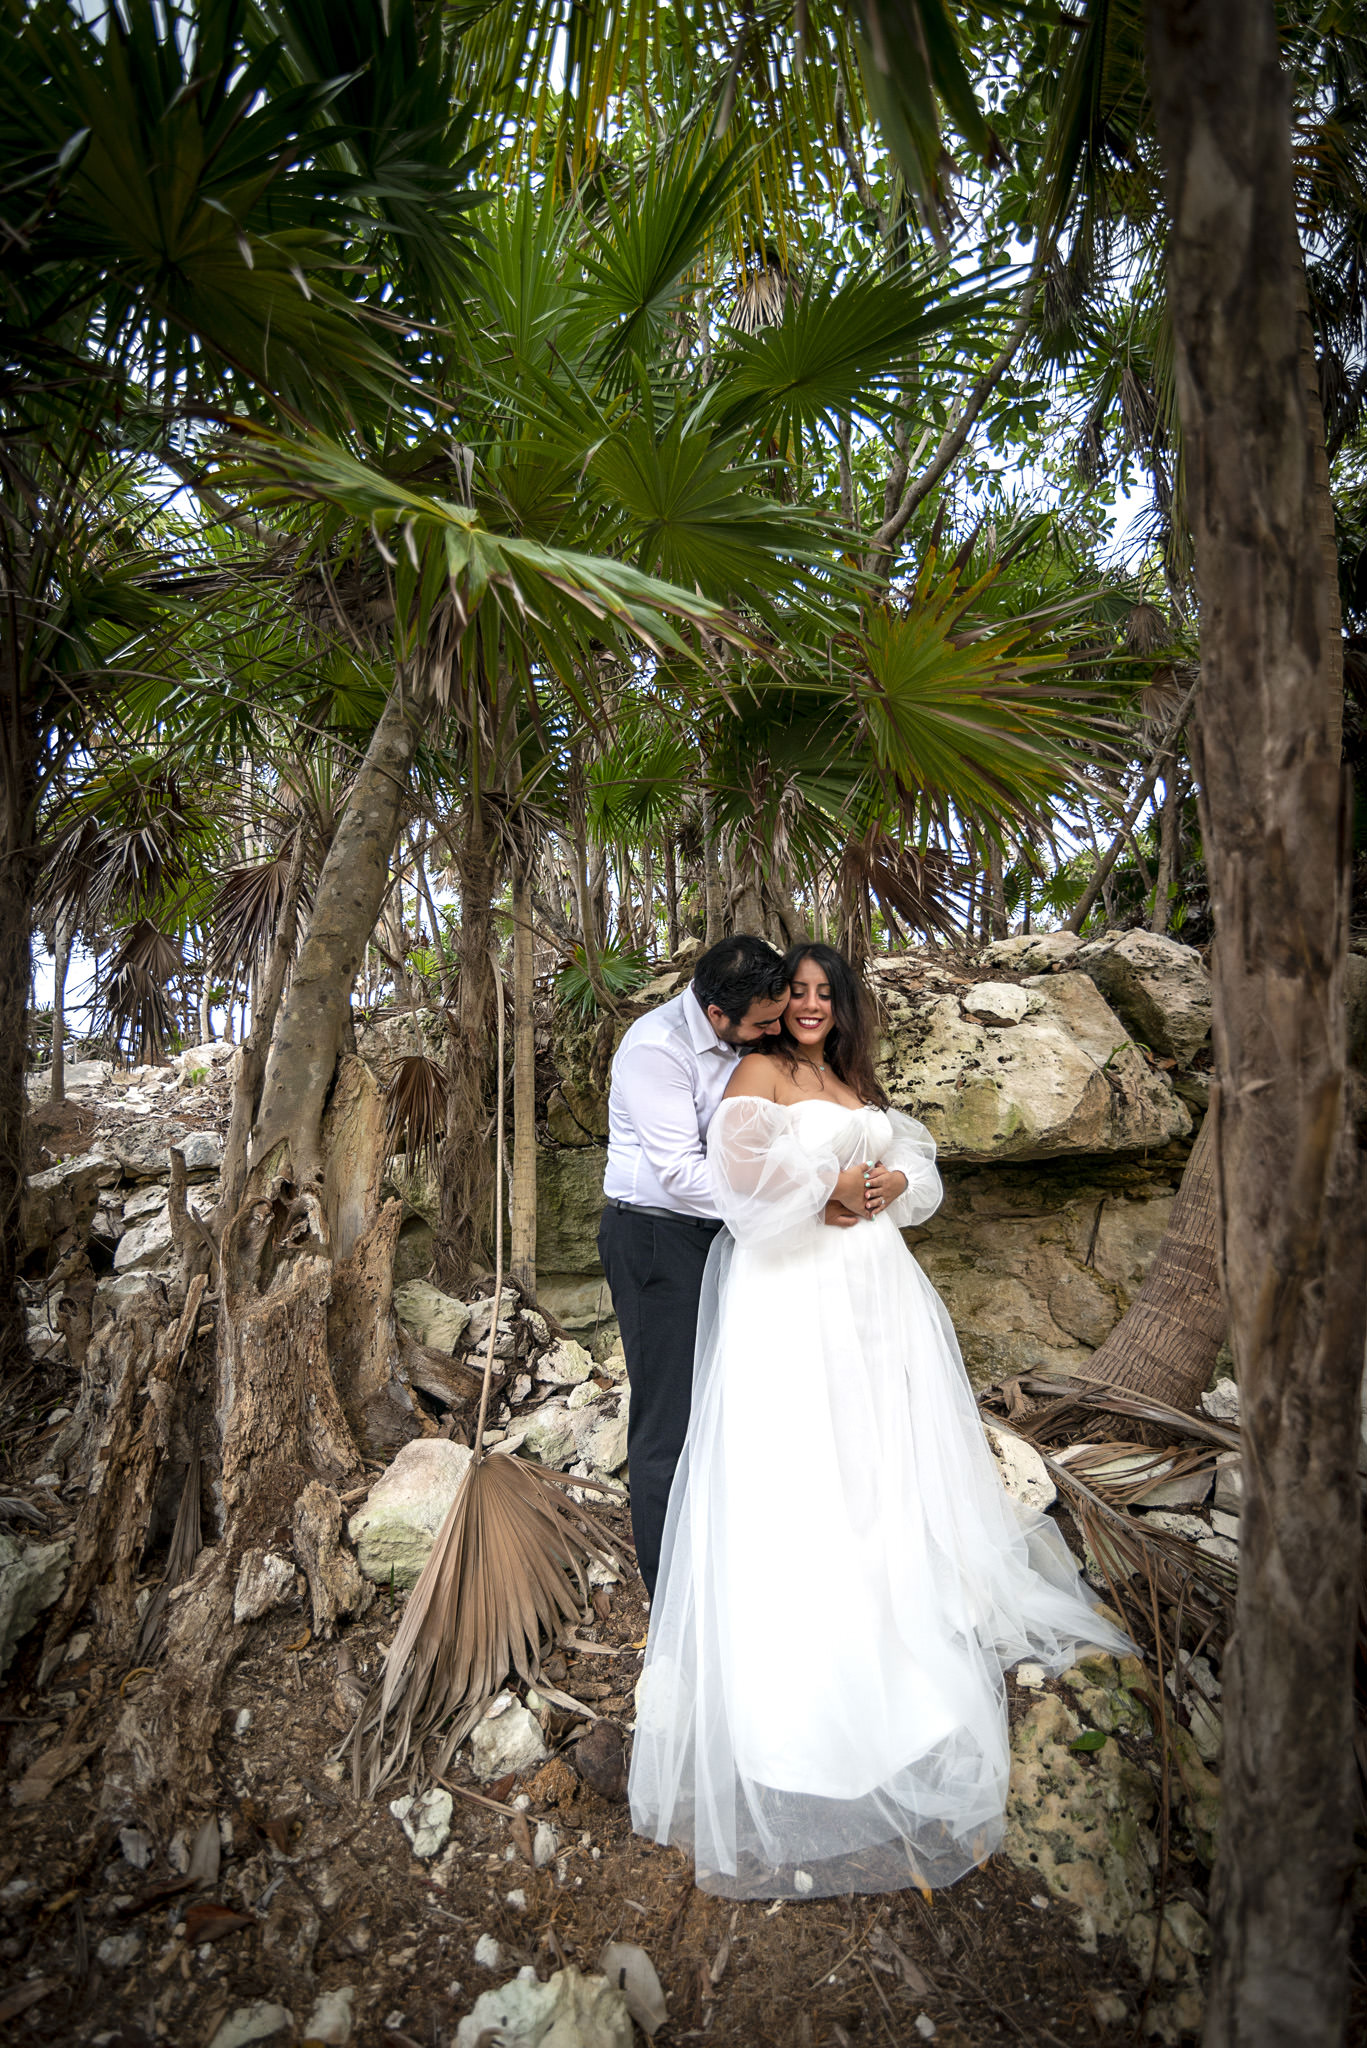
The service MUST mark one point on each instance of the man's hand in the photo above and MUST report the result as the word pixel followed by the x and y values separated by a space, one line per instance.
pixel 849 1192
pixel 882 1184
pixel 839 1217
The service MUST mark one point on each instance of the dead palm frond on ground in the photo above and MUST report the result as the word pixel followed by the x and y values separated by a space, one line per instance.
pixel 506 1579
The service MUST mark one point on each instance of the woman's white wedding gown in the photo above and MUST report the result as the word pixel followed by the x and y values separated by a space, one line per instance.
pixel 844 1579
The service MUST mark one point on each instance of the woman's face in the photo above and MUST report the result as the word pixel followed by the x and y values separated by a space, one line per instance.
pixel 809 1014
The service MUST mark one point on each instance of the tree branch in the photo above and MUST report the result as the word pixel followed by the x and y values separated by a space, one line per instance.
pixel 954 437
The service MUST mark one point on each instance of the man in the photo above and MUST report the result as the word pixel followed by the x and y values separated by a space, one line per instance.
pixel 668 1076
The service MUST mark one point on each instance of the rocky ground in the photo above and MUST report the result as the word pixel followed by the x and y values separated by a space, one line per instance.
pixel 510 1902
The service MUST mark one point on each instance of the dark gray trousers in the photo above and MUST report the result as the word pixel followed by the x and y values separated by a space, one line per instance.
pixel 655 1267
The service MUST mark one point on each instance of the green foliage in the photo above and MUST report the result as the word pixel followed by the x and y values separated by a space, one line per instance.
pixel 619 973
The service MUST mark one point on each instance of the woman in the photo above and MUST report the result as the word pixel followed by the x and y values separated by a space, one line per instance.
pixel 844 1579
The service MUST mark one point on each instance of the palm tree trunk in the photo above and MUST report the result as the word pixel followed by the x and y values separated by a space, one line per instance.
pixel 1294 1236
pixel 18 878
pixel 714 928
pixel 466 1161
pixel 671 893
pixel 1166 1342
pixel 522 1205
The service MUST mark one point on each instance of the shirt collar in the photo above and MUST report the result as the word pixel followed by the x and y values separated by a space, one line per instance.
pixel 701 1034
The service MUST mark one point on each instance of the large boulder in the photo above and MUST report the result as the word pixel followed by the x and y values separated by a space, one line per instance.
pixel 394 1530
pixel 1066 1079
pixel 569 1201
pixel 1158 988
pixel 1031 952
pixel 145 1245
pixel 31 1577
pixel 64 1199
pixel 436 1319
pixel 1078 1821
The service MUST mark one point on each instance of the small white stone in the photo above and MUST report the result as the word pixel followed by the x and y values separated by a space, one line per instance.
pixel 1221 1402
pixel 1225 1525
pixel 925 2026
pixel 521 1803
pixel 1030 1676
pixel 243 1721
pixel 77 1648
pixel 803 1881
pixel 136 1847
pixel 120 1951
pixel 517 1900
pixel 1042 1904
pixel 426 1820
pixel 545 1845
pixel 488 1954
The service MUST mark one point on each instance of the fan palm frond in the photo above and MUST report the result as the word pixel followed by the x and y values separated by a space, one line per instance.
pixel 415 1107
pixel 246 911
pixel 134 998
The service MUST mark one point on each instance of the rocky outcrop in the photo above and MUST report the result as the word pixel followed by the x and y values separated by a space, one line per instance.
pixel 1063 1079
pixel 32 1576
pixel 396 1527
pixel 1158 988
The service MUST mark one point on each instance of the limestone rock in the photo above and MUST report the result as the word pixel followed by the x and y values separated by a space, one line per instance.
pixel 415 1249
pixel 548 1435
pixel 1158 987
pixel 1077 1822
pixel 567 2011
pixel 507 1739
pixel 146 1244
pixel 31 1577
pixel 587 1394
pixel 600 1438
pixel 1065 1079
pixel 201 1062
pixel 569 1199
pixel 482 1313
pixel 436 1319
pixel 996 1002
pixel 1221 1403
pixel 255 2022
pixel 581 1301
pixel 265 1580
pixel 566 1364
pixel 1024 1473
pixel 426 1820
pixel 394 1530
pixel 1031 952
pixel 65 1197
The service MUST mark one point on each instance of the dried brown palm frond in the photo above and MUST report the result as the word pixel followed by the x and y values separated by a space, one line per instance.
pixel 415 1107
pixel 915 890
pixel 762 294
pixel 507 1576
pixel 1146 629
pixel 1136 1475
pixel 134 998
pixel 246 911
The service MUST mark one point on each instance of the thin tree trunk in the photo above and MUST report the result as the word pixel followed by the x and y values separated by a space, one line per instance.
pixel 466 1176
pixel 522 1203
pixel 1166 1342
pixel 307 1041
pixel 18 876
pixel 1105 862
pixel 995 920
pixel 61 956
pixel 1169 823
pixel 671 893
pixel 1267 763
pixel 714 928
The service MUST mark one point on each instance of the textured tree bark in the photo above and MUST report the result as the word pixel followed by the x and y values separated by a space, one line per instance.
pixel 309 1034
pixel 18 876
pixel 1166 1341
pixel 522 1202
pixel 1169 825
pixel 465 1166
pixel 1267 759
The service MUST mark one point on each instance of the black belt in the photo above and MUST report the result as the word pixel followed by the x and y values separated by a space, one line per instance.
pixel 665 1215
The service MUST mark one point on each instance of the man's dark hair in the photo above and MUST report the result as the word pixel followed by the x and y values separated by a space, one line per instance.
pixel 737 972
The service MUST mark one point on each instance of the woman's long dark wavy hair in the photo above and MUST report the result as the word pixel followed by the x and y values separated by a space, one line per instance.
pixel 849 1046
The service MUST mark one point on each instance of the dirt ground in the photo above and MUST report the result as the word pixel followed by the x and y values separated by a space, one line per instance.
pixel 315 1891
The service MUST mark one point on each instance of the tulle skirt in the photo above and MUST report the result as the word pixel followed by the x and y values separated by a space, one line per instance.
pixel 843 1583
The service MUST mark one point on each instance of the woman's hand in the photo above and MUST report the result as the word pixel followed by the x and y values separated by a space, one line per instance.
pixel 882 1184
pixel 849 1192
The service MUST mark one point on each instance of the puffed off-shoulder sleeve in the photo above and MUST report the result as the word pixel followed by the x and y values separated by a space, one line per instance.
pixel 912 1152
pixel 764 1182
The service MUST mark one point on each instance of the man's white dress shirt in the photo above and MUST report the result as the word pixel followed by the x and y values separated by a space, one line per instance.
pixel 668 1075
